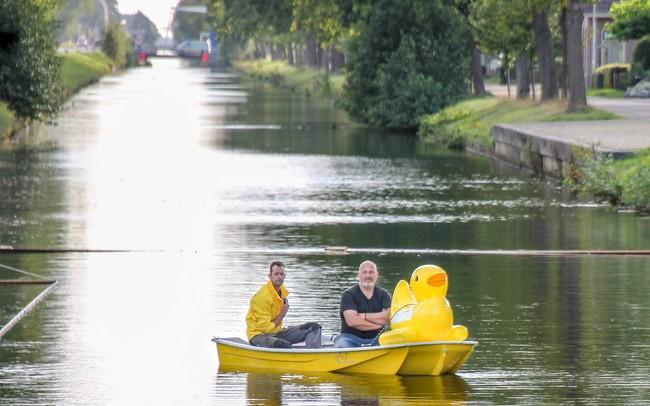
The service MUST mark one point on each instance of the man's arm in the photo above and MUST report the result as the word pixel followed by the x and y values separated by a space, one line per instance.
pixel 380 318
pixel 263 313
pixel 362 321
pixel 283 312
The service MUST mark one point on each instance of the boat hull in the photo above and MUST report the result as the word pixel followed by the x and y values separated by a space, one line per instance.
pixel 431 358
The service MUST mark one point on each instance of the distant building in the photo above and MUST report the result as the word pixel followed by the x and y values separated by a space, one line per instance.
pixel 607 49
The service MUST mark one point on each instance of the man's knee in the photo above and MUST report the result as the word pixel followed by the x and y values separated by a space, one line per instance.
pixel 280 343
pixel 311 326
pixel 313 336
pixel 344 341
pixel 269 341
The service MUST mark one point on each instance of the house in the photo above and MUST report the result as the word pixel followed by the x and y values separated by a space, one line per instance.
pixel 602 48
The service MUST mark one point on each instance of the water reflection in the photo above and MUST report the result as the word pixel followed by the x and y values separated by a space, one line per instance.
pixel 272 388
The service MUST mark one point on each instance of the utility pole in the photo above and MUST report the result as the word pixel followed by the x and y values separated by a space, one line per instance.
pixel 105 7
pixel 593 40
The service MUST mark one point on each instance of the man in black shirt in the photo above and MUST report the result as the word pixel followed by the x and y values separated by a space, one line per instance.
pixel 365 309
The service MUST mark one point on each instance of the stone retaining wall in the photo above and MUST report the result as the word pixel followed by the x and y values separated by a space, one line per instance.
pixel 527 151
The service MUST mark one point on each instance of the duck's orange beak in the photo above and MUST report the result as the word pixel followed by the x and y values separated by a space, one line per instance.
pixel 437 280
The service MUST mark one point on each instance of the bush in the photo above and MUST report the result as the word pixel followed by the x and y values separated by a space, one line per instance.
pixel 399 63
pixel 641 64
pixel 600 178
pixel 642 54
pixel 118 46
pixel 636 189
pixel 29 64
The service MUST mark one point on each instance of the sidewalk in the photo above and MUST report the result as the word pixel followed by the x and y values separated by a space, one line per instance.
pixel 628 108
pixel 630 134
pixel 549 147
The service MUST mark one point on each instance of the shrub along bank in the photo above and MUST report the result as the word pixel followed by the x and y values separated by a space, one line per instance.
pixel 622 182
pixel 297 79
pixel 77 70
pixel 467 125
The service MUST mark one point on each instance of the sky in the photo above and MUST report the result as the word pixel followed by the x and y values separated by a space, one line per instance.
pixel 157 10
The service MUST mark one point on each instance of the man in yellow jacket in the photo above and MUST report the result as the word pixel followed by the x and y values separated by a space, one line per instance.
pixel 267 310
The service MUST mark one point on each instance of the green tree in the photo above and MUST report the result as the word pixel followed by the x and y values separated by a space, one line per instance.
pixel 325 19
pixel 631 19
pixel 410 59
pixel 502 27
pixel 142 29
pixel 29 65
pixel 117 45
pixel 84 13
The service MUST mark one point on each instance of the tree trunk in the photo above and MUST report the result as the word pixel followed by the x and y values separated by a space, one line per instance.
pixel 337 58
pixel 532 78
pixel 523 77
pixel 259 50
pixel 283 52
pixel 577 93
pixel 299 53
pixel 290 57
pixel 545 55
pixel 275 52
pixel 564 74
pixel 311 51
pixel 506 69
pixel 323 59
pixel 477 72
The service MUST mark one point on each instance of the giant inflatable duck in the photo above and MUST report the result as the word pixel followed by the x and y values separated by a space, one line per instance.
pixel 420 311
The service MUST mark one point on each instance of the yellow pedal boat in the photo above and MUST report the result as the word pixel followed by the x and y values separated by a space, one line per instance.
pixel 419 358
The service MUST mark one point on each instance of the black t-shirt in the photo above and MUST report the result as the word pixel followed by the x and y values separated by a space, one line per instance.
pixel 354 299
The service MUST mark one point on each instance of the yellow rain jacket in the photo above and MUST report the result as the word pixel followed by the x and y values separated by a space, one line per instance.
pixel 265 306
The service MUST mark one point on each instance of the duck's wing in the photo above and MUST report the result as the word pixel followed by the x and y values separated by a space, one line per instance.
pixel 402 297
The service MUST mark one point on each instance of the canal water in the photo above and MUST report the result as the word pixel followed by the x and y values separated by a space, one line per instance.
pixel 204 178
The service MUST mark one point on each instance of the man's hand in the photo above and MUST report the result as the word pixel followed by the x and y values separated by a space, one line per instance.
pixel 283 312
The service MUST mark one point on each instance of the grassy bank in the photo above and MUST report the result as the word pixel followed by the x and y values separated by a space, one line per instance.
pixel 470 121
pixel 81 69
pixel 608 93
pixel 624 182
pixel 297 79
pixel 77 70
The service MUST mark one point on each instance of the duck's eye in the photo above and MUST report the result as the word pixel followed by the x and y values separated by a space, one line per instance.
pixel 416 278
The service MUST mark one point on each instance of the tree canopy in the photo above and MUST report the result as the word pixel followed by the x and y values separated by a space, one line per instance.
pixel 408 61
pixel 29 65
pixel 631 19
pixel 74 14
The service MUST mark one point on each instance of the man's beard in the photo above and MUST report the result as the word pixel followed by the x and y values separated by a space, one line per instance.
pixel 368 284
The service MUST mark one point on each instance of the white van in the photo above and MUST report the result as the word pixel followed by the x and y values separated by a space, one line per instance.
pixel 193 48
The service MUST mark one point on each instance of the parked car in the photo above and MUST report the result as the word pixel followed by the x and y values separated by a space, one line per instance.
pixel 193 48
pixel 148 49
